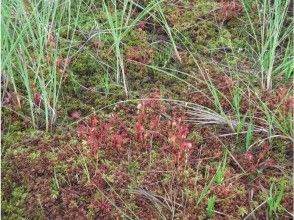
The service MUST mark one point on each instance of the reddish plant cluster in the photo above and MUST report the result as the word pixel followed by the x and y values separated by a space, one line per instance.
pixel 102 208
pixel 222 191
pixel 98 44
pixel 224 83
pixel 279 98
pixel 229 10
pixel 139 54
pixel 37 97
pixel 200 98
pixel 102 134
pixel 149 129
pixel 13 99
pixel 63 66
pixel 252 161
pixel 51 41
pixel 171 134
pixel 141 25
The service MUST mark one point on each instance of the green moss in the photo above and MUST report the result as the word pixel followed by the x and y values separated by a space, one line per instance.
pixel 133 168
pixel 167 178
pixel 195 137
pixel 153 157
pixel 14 137
pixel 85 65
pixel 183 18
pixel 132 207
pixel 35 155
pixel 14 207
pixel 280 150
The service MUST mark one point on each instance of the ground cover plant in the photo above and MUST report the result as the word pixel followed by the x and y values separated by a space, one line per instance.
pixel 147 109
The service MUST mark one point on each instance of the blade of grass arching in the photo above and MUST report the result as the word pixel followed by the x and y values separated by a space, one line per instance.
pixel 145 11
pixel 169 32
pixel 248 10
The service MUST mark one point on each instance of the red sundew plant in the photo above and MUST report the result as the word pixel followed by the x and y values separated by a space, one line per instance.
pixel 149 129
pixel 138 54
pixel 62 66
pixel 229 10
pixel 100 134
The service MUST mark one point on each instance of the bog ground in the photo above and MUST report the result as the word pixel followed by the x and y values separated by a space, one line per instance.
pixel 122 109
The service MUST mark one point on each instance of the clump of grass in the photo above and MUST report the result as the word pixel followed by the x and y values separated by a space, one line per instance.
pixel 272 36
pixel 34 53
pixel 118 16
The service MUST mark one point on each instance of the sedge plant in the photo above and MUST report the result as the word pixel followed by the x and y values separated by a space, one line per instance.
pixel 32 44
pixel 120 22
pixel 271 32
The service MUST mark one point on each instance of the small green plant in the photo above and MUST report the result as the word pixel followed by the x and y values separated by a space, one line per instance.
pixel 211 206
pixel 275 197
pixel 220 172
pixel 106 84
pixel 55 188
pixel 249 134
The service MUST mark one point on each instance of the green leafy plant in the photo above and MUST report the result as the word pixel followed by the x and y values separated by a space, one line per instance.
pixel 210 206
pixel 249 134
pixel 221 169
pixel 275 197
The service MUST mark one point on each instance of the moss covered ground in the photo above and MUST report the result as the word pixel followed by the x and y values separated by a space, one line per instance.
pixel 112 155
